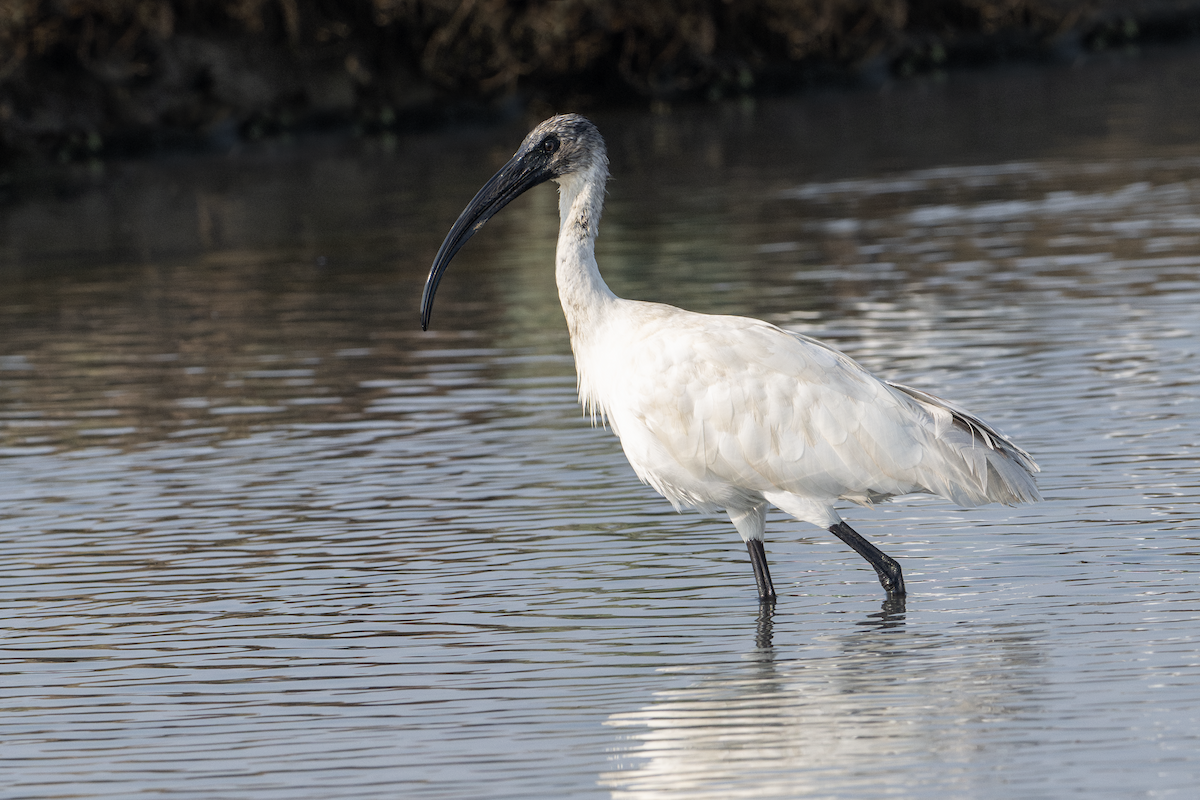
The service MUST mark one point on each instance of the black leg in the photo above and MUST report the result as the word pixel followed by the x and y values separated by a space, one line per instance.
pixel 762 575
pixel 889 572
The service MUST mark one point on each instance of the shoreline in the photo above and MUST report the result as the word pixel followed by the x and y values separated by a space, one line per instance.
pixel 119 78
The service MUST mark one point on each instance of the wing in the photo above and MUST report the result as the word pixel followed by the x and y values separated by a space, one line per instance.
pixel 703 402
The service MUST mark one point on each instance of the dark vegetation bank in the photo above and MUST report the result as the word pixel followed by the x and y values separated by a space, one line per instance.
pixel 85 78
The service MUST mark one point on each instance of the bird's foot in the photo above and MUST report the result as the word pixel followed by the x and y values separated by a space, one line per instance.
pixel 891 577
pixel 893 607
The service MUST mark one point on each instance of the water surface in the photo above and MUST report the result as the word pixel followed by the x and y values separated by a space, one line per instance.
pixel 262 538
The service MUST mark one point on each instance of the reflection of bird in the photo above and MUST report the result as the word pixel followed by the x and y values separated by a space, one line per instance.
pixel 720 412
pixel 825 722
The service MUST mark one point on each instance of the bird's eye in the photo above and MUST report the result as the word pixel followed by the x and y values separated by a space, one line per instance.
pixel 549 145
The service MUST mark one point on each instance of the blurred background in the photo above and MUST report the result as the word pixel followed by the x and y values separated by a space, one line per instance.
pixel 261 537
pixel 86 78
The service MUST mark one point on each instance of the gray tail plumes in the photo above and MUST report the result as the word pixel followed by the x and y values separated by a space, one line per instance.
pixel 994 469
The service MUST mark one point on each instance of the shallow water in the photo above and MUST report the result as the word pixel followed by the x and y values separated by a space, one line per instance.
pixel 262 538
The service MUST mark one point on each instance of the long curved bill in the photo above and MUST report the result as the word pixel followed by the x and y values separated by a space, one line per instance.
pixel 514 178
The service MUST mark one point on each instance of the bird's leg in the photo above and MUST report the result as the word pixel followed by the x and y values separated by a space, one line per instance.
pixel 750 523
pixel 762 575
pixel 890 575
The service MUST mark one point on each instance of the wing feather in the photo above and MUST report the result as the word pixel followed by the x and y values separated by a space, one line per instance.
pixel 715 406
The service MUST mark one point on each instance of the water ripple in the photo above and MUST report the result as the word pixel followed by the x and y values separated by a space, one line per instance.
pixel 261 538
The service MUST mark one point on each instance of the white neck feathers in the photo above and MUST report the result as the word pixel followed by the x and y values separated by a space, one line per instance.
pixel 581 290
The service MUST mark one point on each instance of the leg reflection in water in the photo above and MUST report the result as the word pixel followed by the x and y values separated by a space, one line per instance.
pixel 890 615
pixel 766 616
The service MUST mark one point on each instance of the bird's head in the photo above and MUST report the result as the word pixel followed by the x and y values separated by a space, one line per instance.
pixel 569 143
pixel 561 146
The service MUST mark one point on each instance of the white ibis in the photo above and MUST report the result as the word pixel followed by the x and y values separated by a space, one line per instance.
pixel 723 412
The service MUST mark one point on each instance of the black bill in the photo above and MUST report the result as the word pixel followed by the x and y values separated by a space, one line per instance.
pixel 524 171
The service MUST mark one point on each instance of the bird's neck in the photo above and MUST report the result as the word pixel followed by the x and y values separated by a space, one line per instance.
pixel 583 293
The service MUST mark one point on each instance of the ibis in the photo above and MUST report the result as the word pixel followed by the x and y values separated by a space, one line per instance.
pixel 731 413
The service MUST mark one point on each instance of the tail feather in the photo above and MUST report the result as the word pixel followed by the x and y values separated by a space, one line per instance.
pixel 1002 472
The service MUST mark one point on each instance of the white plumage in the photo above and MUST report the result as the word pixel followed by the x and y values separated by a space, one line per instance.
pixel 724 412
